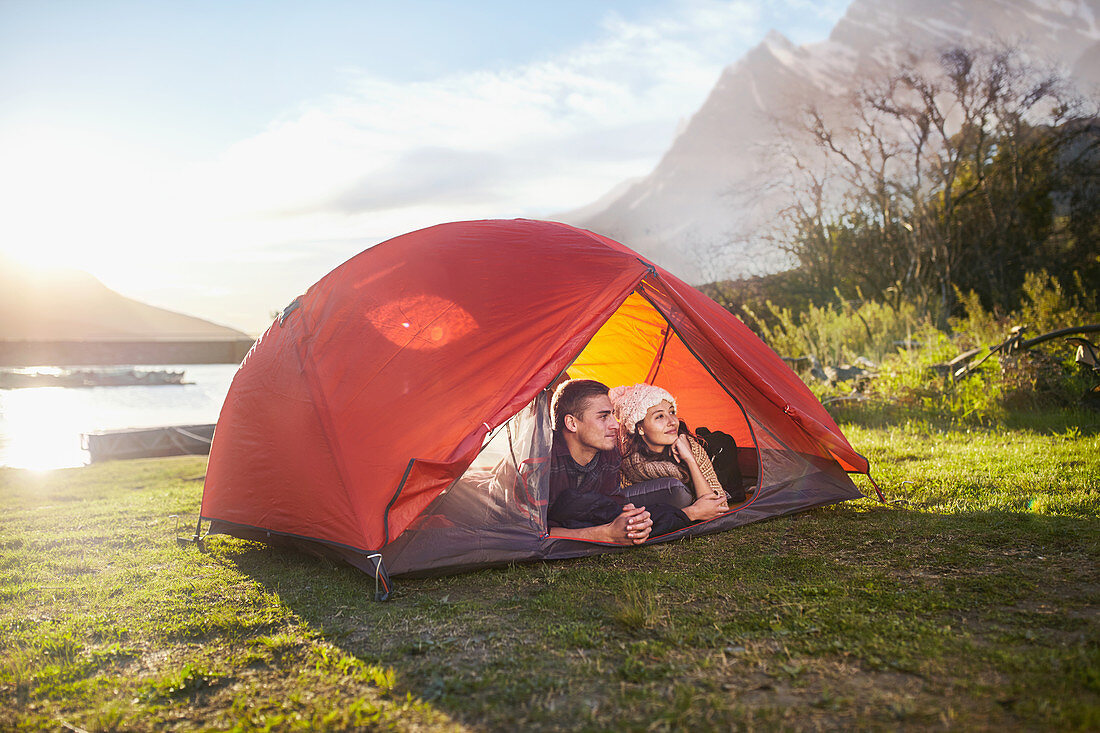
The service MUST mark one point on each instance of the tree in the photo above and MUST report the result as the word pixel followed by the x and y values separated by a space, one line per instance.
pixel 964 170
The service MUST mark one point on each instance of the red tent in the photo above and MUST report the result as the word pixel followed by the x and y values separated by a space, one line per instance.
pixel 396 410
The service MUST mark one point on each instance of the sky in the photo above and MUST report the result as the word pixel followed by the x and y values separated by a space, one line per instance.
pixel 217 158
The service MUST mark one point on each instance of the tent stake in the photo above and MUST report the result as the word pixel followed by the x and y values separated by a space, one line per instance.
pixel 195 539
pixel 384 594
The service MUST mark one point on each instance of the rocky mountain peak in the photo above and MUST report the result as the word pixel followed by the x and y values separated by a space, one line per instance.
pixel 703 196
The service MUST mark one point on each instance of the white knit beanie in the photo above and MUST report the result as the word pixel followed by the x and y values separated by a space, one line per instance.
pixel 630 403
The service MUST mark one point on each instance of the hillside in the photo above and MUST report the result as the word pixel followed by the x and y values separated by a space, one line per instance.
pixel 67 317
pixel 69 305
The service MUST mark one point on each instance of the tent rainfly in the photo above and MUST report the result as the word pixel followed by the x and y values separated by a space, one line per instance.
pixel 396 414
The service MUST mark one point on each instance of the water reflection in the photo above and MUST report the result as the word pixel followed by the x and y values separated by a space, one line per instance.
pixel 40 427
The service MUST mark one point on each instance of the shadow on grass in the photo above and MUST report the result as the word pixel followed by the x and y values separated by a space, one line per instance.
pixel 1083 419
pixel 990 614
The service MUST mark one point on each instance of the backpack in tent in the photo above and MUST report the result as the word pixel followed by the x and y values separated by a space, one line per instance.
pixel 396 414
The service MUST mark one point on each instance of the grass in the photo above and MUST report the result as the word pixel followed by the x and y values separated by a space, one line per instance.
pixel 969 601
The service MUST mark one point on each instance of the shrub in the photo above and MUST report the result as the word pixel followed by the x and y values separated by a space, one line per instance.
pixel 1045 376
pixel 840 332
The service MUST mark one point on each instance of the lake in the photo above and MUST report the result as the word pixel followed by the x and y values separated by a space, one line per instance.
pixel 40 427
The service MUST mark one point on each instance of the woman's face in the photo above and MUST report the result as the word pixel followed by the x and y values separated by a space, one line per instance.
pixel 660 426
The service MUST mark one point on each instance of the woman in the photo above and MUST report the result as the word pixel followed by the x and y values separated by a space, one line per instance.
pixel 656 443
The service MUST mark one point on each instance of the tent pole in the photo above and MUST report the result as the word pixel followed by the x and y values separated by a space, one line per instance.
pixel 386 513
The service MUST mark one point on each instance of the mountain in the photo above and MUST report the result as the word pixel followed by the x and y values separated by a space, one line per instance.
pixel 41 309
pixel 705 192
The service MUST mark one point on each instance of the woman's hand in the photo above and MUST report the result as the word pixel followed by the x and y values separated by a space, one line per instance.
pixel 681 451
pixel 707 507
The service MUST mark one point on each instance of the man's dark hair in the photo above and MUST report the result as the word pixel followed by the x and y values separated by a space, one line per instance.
pixel 570 396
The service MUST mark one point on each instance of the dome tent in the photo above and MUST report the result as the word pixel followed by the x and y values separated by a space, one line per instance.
pixel 396 413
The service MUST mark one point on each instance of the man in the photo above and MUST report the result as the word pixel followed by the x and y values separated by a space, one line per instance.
pixel 586 501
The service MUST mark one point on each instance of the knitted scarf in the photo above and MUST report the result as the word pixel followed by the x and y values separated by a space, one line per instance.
pixel 638 467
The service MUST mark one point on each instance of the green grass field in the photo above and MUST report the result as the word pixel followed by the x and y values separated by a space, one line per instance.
pixel 971 601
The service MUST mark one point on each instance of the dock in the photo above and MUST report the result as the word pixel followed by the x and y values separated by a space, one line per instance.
pixel 169 440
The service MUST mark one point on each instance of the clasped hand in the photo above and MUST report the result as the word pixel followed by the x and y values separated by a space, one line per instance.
pixel 632 526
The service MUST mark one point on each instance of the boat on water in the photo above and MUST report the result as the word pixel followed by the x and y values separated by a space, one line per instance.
pixel 123 377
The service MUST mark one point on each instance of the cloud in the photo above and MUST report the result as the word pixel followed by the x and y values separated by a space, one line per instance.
pixel 499 139
pixel 434 174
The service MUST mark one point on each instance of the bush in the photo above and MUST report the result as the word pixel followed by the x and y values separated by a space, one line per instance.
pixel 838 333
pixel 907 380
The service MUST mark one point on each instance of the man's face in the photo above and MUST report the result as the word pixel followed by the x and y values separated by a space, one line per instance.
pixel 595 426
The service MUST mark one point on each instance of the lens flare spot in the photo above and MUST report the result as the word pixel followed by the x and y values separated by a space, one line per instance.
pixel 421 321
